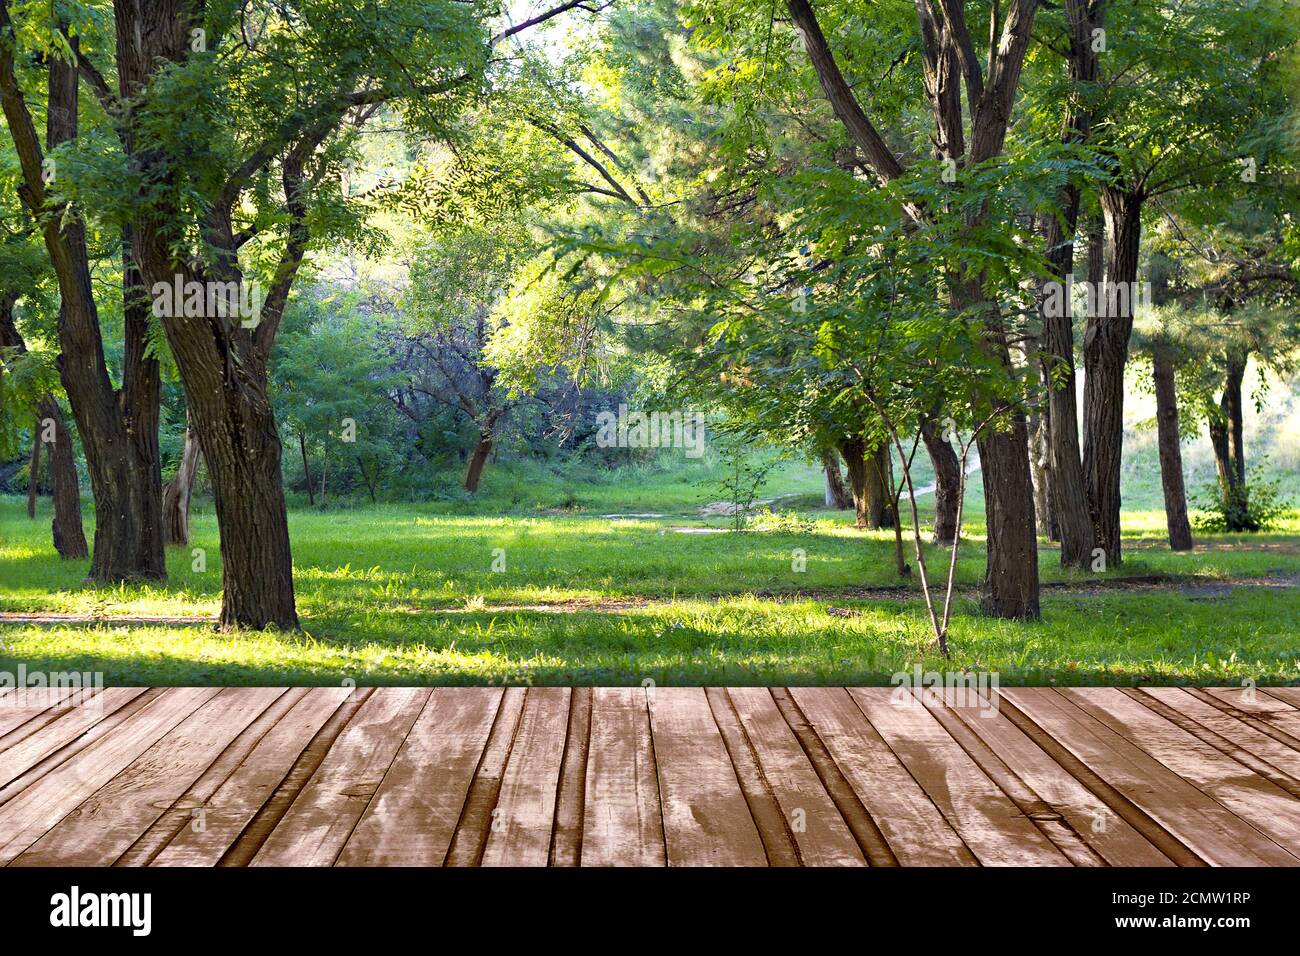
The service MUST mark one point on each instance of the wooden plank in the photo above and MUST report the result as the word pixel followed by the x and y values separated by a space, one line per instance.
pixel 64 732
pixel 1200 823
pixel 622 824
pixel 236 801
pixel 917 833
pixel 413 817
pixel 524 814
pixel 566 841
pixel 1287 695
pixel 188 809
pixel 476 819
pixel 316 826
pixel 1253 704
pixel 820 833
pixel 25 818
pixel 1237 732
pixel 106 824
pixel 1104 830
pixel 769 818
pixel 706 819
pixel 26 710
pixel 1270 809
pixel 990 824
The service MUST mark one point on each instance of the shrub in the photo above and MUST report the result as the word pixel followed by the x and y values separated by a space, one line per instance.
pixel 1255 506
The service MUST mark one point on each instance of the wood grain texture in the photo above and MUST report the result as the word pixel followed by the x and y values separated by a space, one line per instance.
pixel 413 817
pixel 236 801
pixel 990 824
pixel 315 828
pixel 622 824
pixel 746 776
pixel 524 814
pixel 106 824
pixel 706 819
pixel 1196 820
pixel 27 816
pixel 1252 798
pixel 820 832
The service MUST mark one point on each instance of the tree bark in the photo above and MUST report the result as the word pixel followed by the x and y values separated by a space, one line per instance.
pixel 66 529
pixel 1171 454
pixel 880 488
pixel 854 452
pixel 868 475
pixel 1105 352
pixel 1040 473
pixel 114 427
pixel 176 496
pixel 837 495
pixel 477 461
pixel 34 471
pixel 1011 574
pixel 947 482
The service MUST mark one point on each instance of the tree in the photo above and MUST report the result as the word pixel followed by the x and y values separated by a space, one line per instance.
pixel 1185 98
pixel 118 428
pixel 66 529
pixel 332 382
pixel 457 278
pixel 232 119
pixel 950 65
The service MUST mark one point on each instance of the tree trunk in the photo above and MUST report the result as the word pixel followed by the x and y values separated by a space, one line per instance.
pixel 34 471
pixel 1226 438
pixel 1232 410
pixel 1105 352
pixel 853 450
pixel 244 464
pixel 1011 572
pixel 869 474
pixel 947 482
pixel 837 495
pixel 176 496
pixel 1171 454
pixel 66 529
pixel 1011 566
pixel 1040 473
pixel 477 461
pixel 1067 496
pixel 141 402
pixel 306 469
pixel 1068 485
pixel 68 534
pixel 880 488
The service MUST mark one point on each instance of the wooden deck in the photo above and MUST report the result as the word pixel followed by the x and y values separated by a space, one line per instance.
pixel 677 776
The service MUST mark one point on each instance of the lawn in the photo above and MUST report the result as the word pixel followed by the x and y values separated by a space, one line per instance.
pixel 408 594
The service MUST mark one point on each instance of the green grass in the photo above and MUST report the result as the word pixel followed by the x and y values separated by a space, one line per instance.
pixel 406 594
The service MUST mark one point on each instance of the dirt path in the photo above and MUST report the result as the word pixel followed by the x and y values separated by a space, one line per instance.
pixel 1192 586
